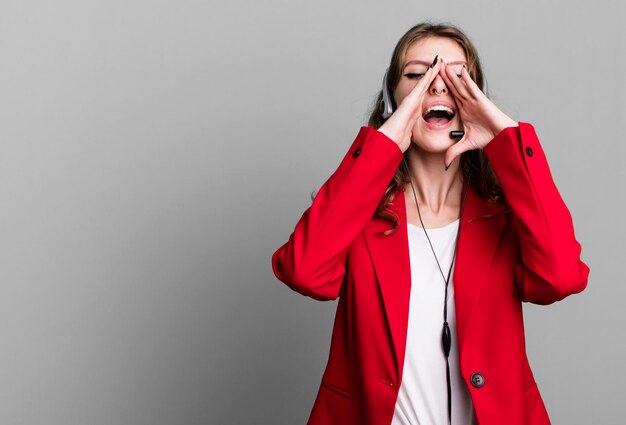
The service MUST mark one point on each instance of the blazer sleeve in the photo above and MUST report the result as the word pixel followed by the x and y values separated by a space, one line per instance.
pixel 550 267
pixel 312 262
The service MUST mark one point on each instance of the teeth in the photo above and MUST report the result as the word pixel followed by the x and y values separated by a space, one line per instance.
pixel 440 108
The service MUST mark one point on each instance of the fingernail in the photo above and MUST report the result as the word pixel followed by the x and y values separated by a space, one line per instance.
pixel 447 166
pixel 435 61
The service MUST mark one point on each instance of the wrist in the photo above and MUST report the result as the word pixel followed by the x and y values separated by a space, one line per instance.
pixel 394 136
pixel 507 122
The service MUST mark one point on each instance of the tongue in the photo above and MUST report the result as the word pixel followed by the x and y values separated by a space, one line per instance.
pixel 437 120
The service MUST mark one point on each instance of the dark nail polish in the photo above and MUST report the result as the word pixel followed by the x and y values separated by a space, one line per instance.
pixel 435 61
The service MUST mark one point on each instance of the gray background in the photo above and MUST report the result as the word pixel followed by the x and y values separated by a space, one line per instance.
pixel 153 155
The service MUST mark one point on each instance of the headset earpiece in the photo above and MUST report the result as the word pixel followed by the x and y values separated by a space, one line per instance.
pixel 387 105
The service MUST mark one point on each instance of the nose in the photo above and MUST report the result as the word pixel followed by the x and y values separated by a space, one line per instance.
pixel 438 87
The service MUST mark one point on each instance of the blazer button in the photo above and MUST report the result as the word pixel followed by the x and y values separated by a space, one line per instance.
pixel 477 380
pixel 529 151
pixel 356 153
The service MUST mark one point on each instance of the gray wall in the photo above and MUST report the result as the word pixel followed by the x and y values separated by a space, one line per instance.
pixel 153 155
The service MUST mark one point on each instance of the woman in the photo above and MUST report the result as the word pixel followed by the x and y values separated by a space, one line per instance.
pixel 414 342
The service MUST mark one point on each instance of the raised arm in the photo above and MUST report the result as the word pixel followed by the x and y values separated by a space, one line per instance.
pixel 550 268
pixel 312 262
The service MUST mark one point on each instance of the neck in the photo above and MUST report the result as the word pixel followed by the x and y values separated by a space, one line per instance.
pixel 438 191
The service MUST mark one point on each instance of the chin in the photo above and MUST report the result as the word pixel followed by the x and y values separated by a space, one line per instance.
pixel 432 146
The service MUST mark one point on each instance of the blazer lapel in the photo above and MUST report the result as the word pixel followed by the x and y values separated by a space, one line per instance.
pixel 481 229
pixel 390 257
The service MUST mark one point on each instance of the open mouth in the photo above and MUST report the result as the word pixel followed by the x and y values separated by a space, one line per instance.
pixel 438 115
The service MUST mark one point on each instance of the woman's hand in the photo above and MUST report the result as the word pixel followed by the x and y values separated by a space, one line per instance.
pixel 400 124
pixel 481 118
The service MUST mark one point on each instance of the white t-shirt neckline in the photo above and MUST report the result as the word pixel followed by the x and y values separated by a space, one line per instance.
pixel 428 229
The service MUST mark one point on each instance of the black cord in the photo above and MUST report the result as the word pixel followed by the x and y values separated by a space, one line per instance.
pixel 446 337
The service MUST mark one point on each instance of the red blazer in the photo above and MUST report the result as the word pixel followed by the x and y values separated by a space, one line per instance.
pixel 522 251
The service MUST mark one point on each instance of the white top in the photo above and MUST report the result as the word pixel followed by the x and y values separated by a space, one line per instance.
pixel 423 394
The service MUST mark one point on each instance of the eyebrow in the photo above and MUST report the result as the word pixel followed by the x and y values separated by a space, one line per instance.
pixel 419 62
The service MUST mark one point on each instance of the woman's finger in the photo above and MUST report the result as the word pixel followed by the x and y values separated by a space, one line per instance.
pixel 451 87
pixel 410 109
pixel 425 82
pixel 457 83
pixel 472 87
pixel 456 150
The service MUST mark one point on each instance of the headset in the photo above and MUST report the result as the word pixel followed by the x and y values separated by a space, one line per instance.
pixel 387 105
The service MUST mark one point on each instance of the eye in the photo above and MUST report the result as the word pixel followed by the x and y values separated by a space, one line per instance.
pixel 413 75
